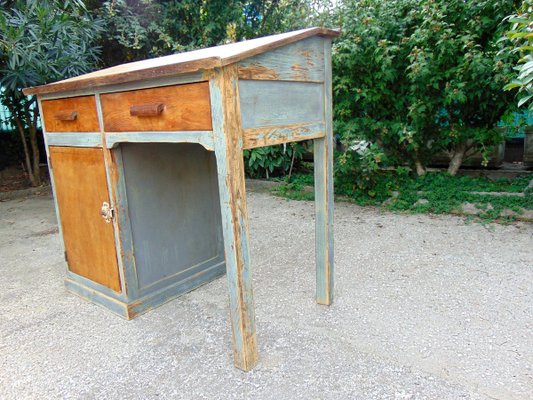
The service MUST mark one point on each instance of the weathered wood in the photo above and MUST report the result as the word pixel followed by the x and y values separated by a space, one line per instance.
pixel 175 233
pixel 66 115
pixel 323 162
pixel 204 138
pixel 75 285
pixel 181 63
pixel 186 108
pixel 271 135
pixel 52 181
pixel 57 115
pixel 146 110
pixel 74 139
pixel 89 240
pixel 209 271
pixel 266 103
pixel 192 77
pixel 112 174
pixel 123 231
pixel 300 61
pixel 228 133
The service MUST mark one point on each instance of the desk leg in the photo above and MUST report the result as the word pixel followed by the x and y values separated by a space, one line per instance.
pixel 230 167
pixel 323 158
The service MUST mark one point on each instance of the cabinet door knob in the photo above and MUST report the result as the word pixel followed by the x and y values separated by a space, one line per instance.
pixel 107 212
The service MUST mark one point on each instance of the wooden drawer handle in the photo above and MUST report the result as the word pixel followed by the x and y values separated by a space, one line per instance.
pixel 147 110
pixel 66 115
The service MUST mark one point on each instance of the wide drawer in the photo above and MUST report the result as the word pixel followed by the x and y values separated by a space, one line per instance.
pixel 169 108
pixel 74 114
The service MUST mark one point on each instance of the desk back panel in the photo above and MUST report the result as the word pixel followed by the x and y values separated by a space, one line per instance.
pixel 174 211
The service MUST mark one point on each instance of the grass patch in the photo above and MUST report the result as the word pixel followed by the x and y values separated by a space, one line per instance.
pixel 437 193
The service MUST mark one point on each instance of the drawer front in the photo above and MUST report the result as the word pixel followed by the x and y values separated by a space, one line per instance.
pixel 170 108
pixel 75 114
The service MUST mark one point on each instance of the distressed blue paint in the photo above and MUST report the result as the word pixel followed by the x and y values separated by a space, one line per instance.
pixel 323 162
pixel 97 297
pixel 109 169
pixel 204 138
pixel 224 94
pixel 269 103
pixel 52 182
pixel 174 220
pixel 74 139
pixel 157 298
pixel 282 134
pixel 299 61
pixel 95 286
pixel 126 255
pixel 118 304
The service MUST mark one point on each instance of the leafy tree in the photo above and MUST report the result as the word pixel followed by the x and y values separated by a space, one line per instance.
pixel 521 37
pixel 420 76
pixel 139 29
pixel 41 41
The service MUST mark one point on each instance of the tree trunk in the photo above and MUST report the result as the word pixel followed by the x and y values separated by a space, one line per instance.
pixel 32 122
pixel 457 159
pixel 36 157
pixel 420 169
pixel 27 157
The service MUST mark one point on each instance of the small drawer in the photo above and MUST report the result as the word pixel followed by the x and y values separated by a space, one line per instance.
pixel 169 108
pixel 75 114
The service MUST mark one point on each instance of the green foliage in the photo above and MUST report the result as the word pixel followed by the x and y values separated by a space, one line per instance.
pixel 41 41
pixel 436 193
pixel 521 37
pixel 358 169
pixel 420 76
pixel 44 40
pixel 268 161
pixel 140 29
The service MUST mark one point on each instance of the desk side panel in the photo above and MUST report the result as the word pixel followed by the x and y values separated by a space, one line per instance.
pixel 299 61
pixel 276 112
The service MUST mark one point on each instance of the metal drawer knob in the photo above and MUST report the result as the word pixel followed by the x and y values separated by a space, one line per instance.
pixel 106 212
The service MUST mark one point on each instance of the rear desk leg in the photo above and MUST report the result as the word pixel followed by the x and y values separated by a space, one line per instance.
pixel 323 163
pixel 227 132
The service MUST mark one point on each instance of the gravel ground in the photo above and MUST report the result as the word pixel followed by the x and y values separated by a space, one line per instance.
pixel 426 308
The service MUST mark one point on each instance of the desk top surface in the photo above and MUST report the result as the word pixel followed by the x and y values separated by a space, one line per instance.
pixel 182 63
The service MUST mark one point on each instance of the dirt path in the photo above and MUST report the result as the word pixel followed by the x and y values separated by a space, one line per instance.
pixel 426 308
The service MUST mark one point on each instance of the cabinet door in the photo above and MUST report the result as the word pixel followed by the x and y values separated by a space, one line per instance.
pixel 80 189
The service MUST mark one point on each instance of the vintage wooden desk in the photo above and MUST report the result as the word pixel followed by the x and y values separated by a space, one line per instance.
pixel 147 169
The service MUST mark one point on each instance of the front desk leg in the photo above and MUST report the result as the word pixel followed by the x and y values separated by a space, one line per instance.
pixel 230 167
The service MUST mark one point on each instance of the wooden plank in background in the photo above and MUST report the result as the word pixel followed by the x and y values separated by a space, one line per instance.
pixel 80 188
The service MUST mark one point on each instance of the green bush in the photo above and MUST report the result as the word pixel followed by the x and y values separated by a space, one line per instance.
pixel 521 39
pixel 420 76
pixel 269 161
